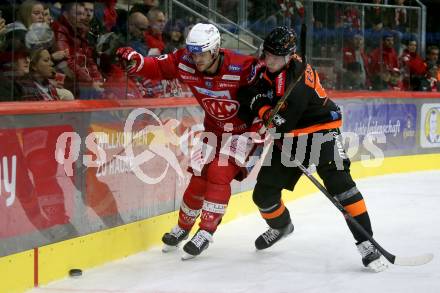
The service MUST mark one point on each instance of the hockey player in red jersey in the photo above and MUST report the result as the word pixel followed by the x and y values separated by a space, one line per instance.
pixel 214 76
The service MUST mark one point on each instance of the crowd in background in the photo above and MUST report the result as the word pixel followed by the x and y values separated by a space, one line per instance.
pixel 378 51
pixel 66 50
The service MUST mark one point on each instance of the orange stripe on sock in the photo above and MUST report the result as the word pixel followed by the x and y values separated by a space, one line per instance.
pixel 275 213
pixel 357 208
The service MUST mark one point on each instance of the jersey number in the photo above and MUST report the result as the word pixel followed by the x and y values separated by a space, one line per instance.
pixel 312 80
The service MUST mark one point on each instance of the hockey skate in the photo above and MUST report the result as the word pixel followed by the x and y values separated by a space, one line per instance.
pixel 371 257
pixel 172 239
pixel 271 236
pixel 197 244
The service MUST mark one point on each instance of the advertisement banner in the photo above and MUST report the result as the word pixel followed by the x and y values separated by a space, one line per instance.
pixel 35 192
pixel 137 174
pixel 397 122
pixel 430 126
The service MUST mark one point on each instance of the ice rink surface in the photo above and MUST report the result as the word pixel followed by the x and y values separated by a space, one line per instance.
pixel 320 256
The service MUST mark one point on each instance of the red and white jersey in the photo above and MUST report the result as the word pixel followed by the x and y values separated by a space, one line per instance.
pixel 216 94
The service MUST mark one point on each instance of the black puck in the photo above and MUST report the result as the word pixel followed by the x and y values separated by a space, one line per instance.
pixel 75 273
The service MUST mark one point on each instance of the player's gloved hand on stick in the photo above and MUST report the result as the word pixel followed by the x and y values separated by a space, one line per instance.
pixel 258 131
pixel 265 114
pixel 132 60
pixel 266 111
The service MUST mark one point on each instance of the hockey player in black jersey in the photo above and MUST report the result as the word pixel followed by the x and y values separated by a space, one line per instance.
pixel 308 122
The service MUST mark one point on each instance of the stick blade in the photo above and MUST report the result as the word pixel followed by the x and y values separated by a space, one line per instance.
pixel 414 260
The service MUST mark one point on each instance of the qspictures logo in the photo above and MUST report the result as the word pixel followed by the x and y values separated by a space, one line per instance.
pixel 430 126
pixel 201 147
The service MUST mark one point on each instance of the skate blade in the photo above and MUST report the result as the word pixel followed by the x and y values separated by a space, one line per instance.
pixel 168 248
pixel 187 256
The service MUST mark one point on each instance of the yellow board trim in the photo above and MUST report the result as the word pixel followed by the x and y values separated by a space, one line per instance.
pixel 17 272
pixel 95 249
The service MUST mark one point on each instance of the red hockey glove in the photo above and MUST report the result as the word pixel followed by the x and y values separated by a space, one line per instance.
pixel 134 61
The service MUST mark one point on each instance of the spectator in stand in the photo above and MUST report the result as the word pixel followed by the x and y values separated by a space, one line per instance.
pixel 31 15
pixel 395 82
pixel 47 14
pixel 400 23
pixel 94 27
pixel 29 12
pixel 432 57
pixel 81 70
pixel 89 9
pixel 353 78
pixel 138 24
pixel 412 65
pixel 355 54
pixel 388 79
pixel 144 7
pixel 41 73
pixel 287 11
pixel 14 62
pixel 377 19
pixel 40 35
pixel 430 83
pixel 227 8
pixel 92 34
pixel 118 84
pixel 106 14
pixel 374 16
pixel 348 19
pixel 14 68
pixel 13 37
pixel 262 16
pixel 384 58
pixel 298 17
pixel 432 54
pixel 55 9
pixel 400 17
pixel 174 36
pixel 153 37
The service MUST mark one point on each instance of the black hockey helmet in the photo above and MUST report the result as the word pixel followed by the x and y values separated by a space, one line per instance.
pixel 281 41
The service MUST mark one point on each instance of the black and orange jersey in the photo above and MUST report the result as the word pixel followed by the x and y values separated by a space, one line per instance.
pixel 307 108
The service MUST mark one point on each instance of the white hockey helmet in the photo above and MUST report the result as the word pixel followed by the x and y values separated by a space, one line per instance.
pixel 203 37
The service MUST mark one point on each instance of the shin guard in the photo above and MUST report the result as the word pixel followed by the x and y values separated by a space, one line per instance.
pixel 192 202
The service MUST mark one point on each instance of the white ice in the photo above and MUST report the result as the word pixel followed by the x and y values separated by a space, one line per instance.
pixel 320 256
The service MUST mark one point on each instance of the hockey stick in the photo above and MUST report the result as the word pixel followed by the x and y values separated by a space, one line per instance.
pixel 397 260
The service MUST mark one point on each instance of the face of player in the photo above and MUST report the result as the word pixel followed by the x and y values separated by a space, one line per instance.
pixel 274 63
pixel 202 61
